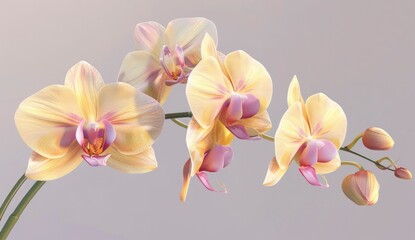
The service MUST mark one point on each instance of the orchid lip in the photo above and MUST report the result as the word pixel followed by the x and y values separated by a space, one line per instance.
pixel 173 64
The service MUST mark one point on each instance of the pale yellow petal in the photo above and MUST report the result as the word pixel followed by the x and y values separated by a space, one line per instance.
pixel 274 173
pixel 44 169
pixel 145 72
pixel 149 37
pixel 47 120
pixel 291 134
pixel 248 76
pixel 328 167
pixel 220 134
pixel 208 48
pixel 186 180
pixel 188 33
pixel 85 81
pixel 294 92
pixel 207 90
pixel 142 162
pixel 327 119
pixel 256 125
pixel 136 117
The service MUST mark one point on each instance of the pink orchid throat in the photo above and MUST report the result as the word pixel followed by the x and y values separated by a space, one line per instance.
pixel 173 63
pixel 94 138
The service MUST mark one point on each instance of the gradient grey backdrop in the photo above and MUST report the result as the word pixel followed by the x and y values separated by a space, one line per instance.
pixel 360 53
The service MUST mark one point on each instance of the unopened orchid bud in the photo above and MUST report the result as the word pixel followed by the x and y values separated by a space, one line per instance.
pixel 377 139
pixel 403 173
pixel 361 187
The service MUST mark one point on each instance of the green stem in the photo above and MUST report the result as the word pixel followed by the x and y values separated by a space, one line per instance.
pixel 180 123
pixel 354 141
pixel 366 158
pixel 178 115
pixel 267 137
pixel 14 217
pixel 11 195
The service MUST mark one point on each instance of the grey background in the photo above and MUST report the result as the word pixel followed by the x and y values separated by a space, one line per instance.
pixel 360 53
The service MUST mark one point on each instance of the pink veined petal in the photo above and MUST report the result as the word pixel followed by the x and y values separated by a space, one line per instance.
pixel 110 134
pixel 45 169
pixel 309 155
pixel 250 106
pixel 327 119
pixel 142 162
pixel 217 158
pixel 47 120
pixel 97 160
pixel 326 150
pixel 205 181
pixel 188 33
pixel 310 175
pixel 144 71
pixel 248 76
pixel 187 168
pixel 241 132
pixel 149 36
pixel 234 110
pixel 274 173
pixel 136 117
pixel 85 81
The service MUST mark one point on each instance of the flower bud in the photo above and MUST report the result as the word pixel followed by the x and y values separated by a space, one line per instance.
pixel 403 173
pixel 377 139
pixel 361 187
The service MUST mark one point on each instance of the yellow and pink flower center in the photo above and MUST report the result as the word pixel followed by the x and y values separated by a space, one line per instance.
pixel 173 64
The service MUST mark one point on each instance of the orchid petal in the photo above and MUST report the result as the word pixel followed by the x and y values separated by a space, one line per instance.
pixel 188 33
pixel 98 160
pixel 205 181
pixel 149 37
pixel 208 47
pixel 143 162
pixel 144 71
pixel 234 110
pixel 294 92
pixel 187 168
pixel 217 158
pixel 207 90
pixel 290 135
pixel 47 120
pixel 274 173
pixel 328 167
pixel 239 131
pixel 85 81
pixel 327 119
pixel 136 117
pixel 41 168
pixel 248 76
pixel 326 151
pixel 309 155
pixel 256 125
pixel 250 106
pixel 310 175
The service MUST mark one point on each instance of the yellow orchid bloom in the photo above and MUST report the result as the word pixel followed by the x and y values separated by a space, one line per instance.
pixel 111 124
pixel 165 56
pixel 310 133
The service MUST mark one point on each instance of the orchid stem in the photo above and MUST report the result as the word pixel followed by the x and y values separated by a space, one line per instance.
pixel 366 158
pixel 11 195
pixel 14 217
pixel 180 123
pixel 178 115
pixel 354 141
pixel 267 137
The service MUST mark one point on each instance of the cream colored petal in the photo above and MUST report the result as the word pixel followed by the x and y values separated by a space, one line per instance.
pixel 188 33
pixel 145 72
pixel 198 140
pixel 44 169
pixel 47 120
pixel 86 81
pixel 327 119
pixel 186 180
pixel 208 48
pixel 136 117
pixel 142 162
pixel 294 92
pixel 256 125
pixel 274 173
pixel 249 76
pixel 207 90
pixel 328 167
pixel 290 135
pixel 149 37
pixel 221 135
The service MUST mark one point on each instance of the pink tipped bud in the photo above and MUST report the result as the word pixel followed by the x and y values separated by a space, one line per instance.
pixel 403 173
pixel 377 139
pixel 361 187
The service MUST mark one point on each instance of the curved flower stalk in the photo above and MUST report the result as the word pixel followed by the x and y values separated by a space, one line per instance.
pixel 85 119
pixel 310 133
pixel 165 56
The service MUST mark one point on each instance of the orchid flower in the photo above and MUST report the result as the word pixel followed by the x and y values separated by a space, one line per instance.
pixel 85 119
pixel 310 133
pixel 165 56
